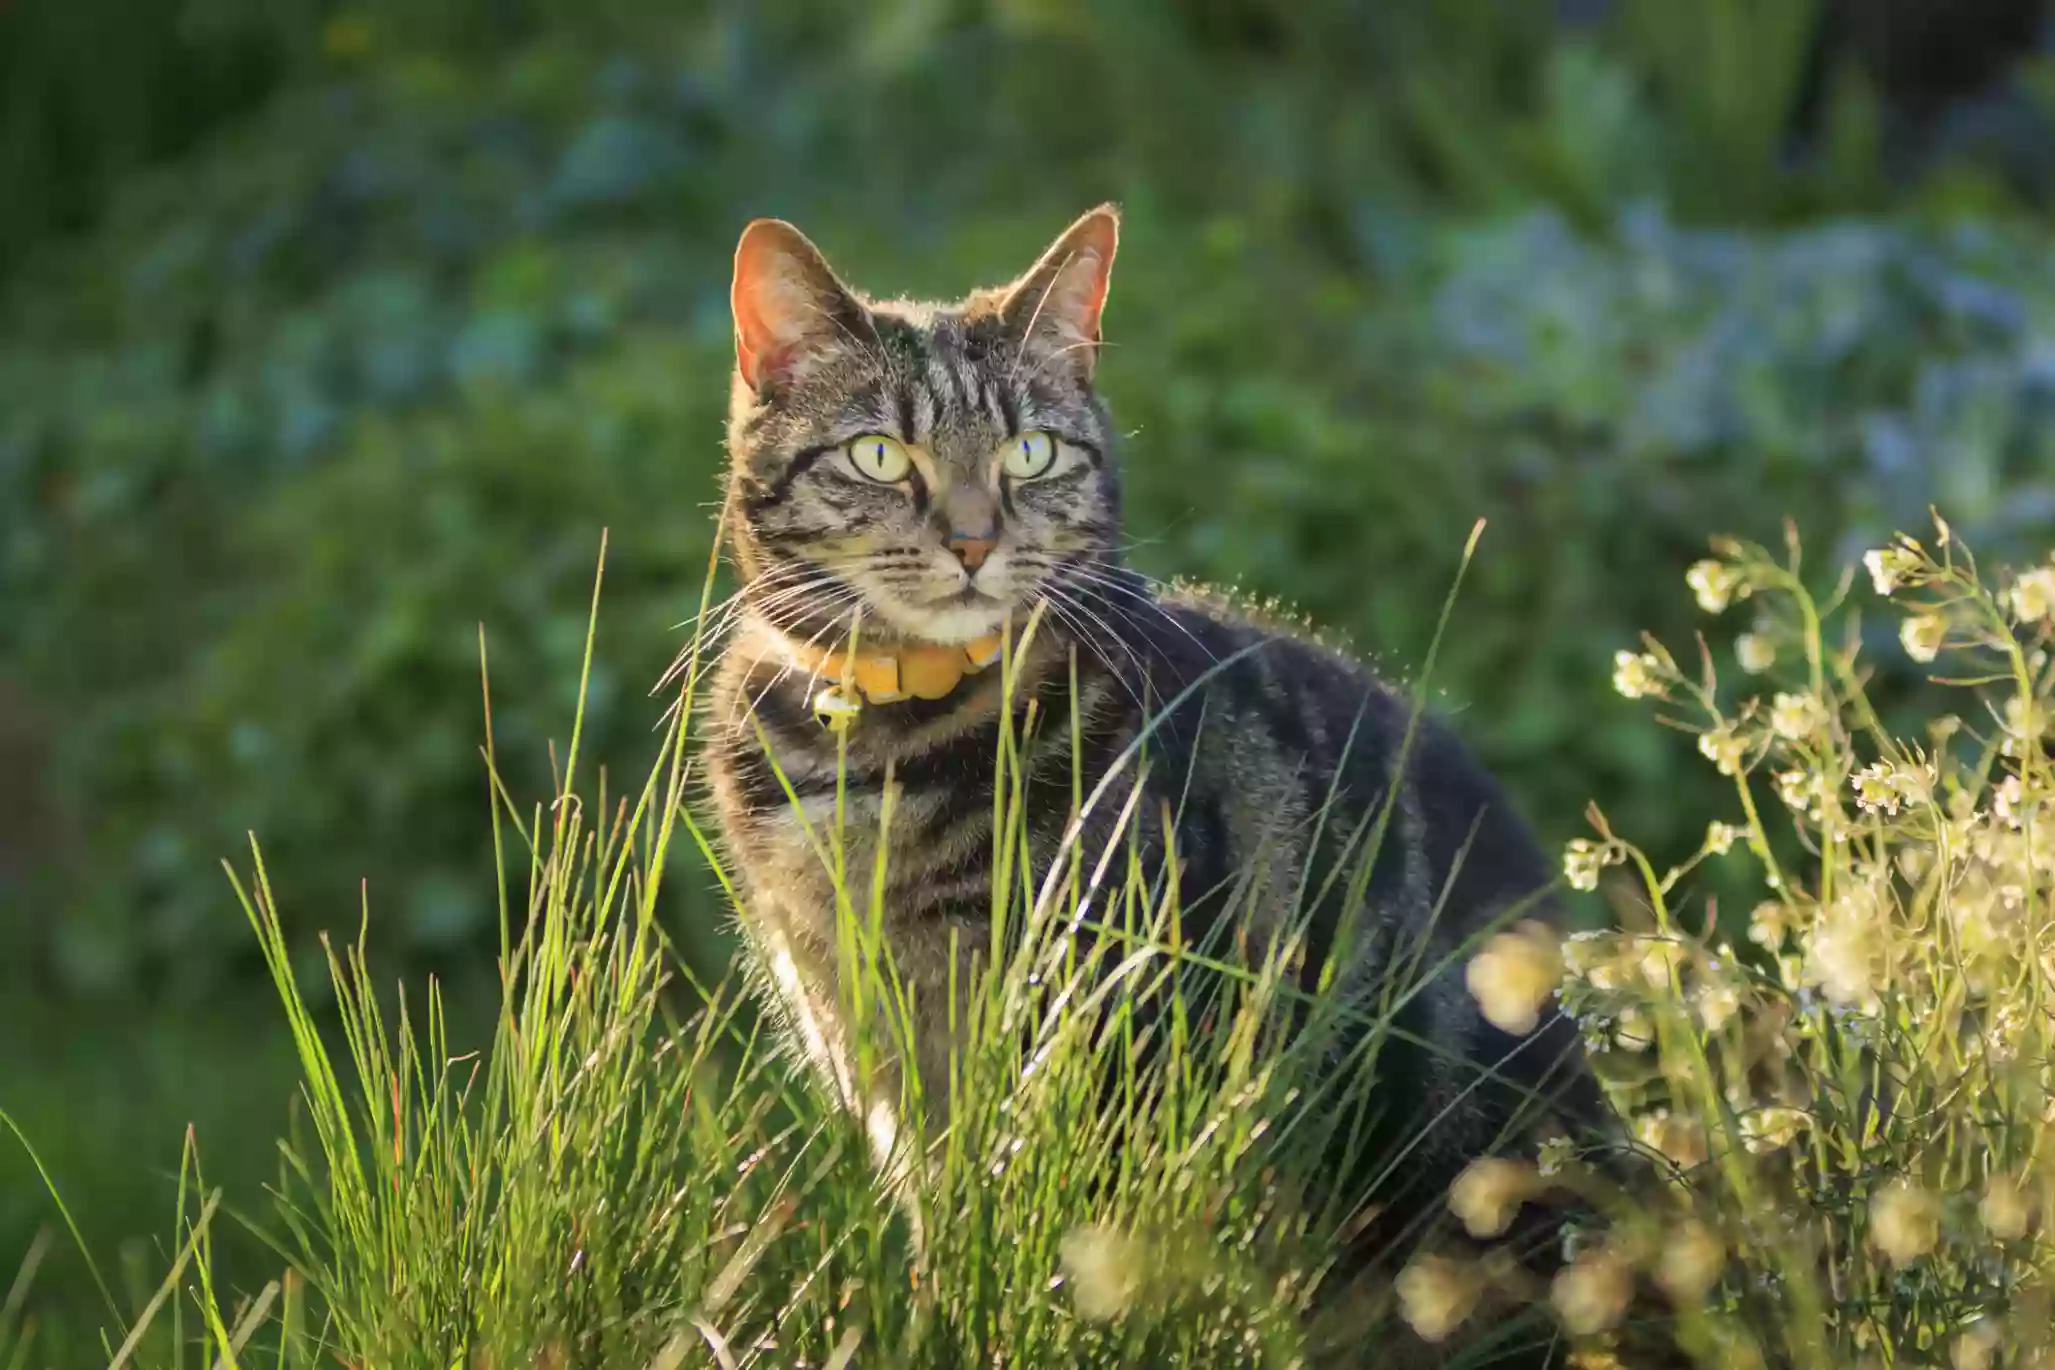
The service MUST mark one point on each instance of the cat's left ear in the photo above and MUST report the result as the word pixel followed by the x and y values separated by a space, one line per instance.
pixel 1056 306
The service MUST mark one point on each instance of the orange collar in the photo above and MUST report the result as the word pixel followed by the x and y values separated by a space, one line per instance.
pixel 922 671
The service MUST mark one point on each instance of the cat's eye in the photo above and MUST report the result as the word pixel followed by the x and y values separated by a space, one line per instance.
pixel 881 458
pixel 1030 455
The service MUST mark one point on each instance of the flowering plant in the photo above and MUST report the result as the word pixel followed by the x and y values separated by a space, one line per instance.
pixel 1841 1101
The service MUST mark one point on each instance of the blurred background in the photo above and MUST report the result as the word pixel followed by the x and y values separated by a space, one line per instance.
pixel 332 331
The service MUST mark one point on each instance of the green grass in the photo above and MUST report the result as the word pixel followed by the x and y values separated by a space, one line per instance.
pixel 1845 1129
pixel 631 1171
pixel 106 1091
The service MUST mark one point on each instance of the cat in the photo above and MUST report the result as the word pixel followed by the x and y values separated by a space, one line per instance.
pixel 924 476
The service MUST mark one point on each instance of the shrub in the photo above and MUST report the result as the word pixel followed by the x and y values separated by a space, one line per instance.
pixel 377 368
pixel 1601 403
pixel 1849 1109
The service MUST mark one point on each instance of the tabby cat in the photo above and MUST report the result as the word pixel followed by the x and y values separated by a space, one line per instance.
pixel 922 476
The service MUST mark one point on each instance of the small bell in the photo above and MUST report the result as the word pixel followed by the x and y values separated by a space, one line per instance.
pixel 837 707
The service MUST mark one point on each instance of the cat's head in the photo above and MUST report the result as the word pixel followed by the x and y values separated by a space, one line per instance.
pixel 936 466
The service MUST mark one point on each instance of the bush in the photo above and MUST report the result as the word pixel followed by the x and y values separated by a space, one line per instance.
pixel 1814 106
pixel 1602 403
pixel 1850 1108
pixel 379 368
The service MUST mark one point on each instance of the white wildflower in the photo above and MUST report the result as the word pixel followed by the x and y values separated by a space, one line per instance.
pixel 1489 1192
pixel 1905 1222
pixel 1756 652
pixel 1977 1348
pixel 1725 748
pixel 1592 1293
pixel 2033 595
pixel 1923 636
pixel 2025 722
pixel 1691 1262
pixel 1662 958
pixel 1799 790
pixel 1888 567
pixel 1680 1139
pixel 1770 925
pixel 1435 1295
pixel 1632 1030
pixel 1847 956
pixel 1555 1155
pixel 2007 798
pixel 1513 977
pixel 1797 717
pixel 2004 1210
pixel 1102 1268
pixel 1583 859
pixel 1715 1005
pixel 1773 1128
pixel 1714 583
pixel 1876 788
pixel 1637 674
pixel 1883 787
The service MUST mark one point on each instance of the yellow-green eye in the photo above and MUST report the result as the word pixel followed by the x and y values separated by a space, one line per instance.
pixel 1030 455
pixel 881 458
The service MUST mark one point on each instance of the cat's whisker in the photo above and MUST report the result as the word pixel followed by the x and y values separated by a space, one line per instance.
pixel 1057 354
pixel 813 676
pixel 1095 632
pixel 1035 317
pixel 1067 614
pixel 789 614
pixel 703 649
pixel 721 622
pixel 769 579
pixel 1101 582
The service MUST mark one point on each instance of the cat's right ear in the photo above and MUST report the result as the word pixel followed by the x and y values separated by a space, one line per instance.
pixel 789 307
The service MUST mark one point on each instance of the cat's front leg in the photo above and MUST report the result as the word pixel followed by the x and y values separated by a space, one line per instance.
pixel 807 990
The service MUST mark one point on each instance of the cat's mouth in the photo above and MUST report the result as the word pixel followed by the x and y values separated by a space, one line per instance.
pixel 967 597
pixel 958 616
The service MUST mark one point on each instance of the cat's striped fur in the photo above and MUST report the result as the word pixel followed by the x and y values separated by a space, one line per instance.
pixel 1281 727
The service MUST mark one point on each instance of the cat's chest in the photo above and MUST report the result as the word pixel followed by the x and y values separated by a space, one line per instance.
pixel 810 822
pixel 900 811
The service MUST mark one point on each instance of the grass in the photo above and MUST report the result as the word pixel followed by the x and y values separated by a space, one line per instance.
pixel 548 1198
pixel 107 1091
pixel 1839 1126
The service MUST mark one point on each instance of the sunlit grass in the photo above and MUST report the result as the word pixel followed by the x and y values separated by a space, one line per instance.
pixel 631 1172
pixel 1832 1144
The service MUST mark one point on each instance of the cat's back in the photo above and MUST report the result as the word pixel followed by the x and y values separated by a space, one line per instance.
pixel 1252 698
pixel 1298 758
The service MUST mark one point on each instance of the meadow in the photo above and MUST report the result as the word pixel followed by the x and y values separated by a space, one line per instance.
pixel 346 330
pixel 1832 1132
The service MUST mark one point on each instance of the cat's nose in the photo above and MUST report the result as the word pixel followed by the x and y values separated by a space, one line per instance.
pixel 972 548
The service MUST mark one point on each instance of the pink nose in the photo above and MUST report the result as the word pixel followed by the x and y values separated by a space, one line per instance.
pixel 971 551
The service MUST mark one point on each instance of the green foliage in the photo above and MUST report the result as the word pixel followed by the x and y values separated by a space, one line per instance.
pixel 335 384
pixel 92 92
pixel 1470 105
pixel 375 373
